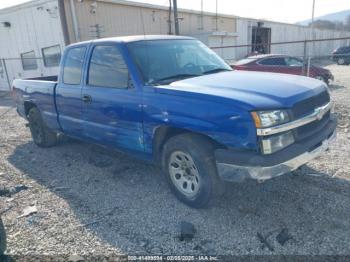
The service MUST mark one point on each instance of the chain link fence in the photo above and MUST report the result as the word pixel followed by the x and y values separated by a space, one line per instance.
pixel 309 58
pixel 26 67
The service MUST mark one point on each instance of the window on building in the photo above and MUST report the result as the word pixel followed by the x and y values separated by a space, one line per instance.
pixel 275 61
pixel 107 68
pixel 73 66
pixel 29 61
pixel 52 55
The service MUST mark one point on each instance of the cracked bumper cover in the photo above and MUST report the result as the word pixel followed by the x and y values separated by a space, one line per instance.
pixel 237 165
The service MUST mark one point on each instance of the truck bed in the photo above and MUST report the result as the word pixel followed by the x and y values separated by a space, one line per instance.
pixel 39 91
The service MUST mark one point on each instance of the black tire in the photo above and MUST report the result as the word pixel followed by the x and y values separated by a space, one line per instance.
pixel 201 151
pixel 2 239
pixel 341 61
pixel 41 134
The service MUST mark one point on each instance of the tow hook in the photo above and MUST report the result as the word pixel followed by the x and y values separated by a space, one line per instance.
pixel 27 124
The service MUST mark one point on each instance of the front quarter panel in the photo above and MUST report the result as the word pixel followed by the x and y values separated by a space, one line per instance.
pixel 217 118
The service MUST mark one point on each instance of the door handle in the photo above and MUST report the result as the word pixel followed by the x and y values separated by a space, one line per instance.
pixel 87 99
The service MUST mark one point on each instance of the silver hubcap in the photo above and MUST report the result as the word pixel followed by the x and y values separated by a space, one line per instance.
pixel 184 173
pixel 341 61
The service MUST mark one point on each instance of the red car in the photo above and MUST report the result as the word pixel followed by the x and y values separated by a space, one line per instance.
pixel 281 64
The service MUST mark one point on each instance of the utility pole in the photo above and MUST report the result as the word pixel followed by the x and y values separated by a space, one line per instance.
pixel 202 24
pixel 75 21
pixel 216 15
pixel 312 38
pixel 169 18
pixel 176 19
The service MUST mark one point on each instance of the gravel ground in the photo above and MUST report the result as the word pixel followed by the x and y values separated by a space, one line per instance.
pixel 91 201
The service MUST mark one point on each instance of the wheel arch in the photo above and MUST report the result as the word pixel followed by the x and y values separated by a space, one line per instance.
pixel 27 106
pixel 163 133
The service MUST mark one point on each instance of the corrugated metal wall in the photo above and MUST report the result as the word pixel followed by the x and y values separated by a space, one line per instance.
pixel 33 27
pixel 281 32
pixel 113 18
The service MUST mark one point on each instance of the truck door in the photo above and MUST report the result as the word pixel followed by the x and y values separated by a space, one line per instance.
pixel 111 106
pixel 68 91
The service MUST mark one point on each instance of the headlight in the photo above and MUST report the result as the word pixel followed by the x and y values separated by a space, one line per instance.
pixel 270 118
pixel 277 142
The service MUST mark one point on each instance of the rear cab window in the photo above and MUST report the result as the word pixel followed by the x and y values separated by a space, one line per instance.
pixel 275 61
pixel 245 61
pixel 291 61
pixel 72 68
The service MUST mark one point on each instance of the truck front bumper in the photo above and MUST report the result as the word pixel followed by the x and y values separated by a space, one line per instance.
pixel 236 166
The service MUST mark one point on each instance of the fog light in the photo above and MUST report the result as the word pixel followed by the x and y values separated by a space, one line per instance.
pixel 277 142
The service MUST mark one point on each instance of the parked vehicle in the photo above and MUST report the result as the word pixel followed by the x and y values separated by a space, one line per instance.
pixel 172 100
pixel 282 64
pixel 341 55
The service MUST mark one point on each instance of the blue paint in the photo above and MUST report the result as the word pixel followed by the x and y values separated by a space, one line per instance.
pixel 216 105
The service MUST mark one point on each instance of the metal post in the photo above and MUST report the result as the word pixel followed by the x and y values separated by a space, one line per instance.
pixel 202 23
pixel 75 21
pixel 312 37
pixel 6 73
pixel 169 18
pixel 304 58
pixel 176 19
pixel 216 15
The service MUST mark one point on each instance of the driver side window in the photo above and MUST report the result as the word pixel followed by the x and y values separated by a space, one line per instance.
pixel 107 68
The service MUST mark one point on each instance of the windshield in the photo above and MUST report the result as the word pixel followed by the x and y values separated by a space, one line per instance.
pixel 165 61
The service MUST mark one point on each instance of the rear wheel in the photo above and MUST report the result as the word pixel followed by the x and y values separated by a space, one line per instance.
pixel 341 61
pixel 190 168
pixel 41 134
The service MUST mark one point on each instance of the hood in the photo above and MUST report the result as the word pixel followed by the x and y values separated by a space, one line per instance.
pixel 257 90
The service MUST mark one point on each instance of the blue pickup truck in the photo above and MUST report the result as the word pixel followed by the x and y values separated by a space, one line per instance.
pixel 172 100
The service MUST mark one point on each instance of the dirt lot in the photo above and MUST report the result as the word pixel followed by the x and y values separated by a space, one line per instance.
pixel 93 201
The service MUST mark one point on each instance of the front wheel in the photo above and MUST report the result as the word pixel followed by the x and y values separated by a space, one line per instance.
pixel 190 168
pixel 41 134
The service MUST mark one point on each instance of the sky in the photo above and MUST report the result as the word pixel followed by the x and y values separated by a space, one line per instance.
pixel 289 11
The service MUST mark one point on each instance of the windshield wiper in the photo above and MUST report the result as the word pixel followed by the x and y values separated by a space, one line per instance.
pixel 173 78
pixel 216 70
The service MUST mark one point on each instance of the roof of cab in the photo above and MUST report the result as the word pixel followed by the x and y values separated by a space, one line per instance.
pixel 134 38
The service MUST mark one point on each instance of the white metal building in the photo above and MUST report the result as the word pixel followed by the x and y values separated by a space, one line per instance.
pixel 34 34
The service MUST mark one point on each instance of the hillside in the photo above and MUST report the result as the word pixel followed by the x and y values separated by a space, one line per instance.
pixel 334 17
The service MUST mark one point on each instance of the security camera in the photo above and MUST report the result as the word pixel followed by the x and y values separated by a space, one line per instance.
pixel 93 7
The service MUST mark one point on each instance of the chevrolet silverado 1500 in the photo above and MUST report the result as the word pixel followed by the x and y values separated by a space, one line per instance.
pixel 172 100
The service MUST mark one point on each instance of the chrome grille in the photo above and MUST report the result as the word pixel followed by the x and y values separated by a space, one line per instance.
pixel 308 105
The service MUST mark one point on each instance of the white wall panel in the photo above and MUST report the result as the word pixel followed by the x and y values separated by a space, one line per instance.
pixel 33 26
